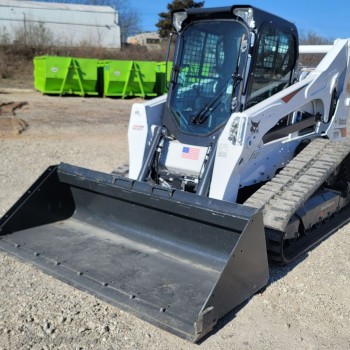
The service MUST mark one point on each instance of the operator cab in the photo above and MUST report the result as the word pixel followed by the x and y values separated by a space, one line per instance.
pixel 226 60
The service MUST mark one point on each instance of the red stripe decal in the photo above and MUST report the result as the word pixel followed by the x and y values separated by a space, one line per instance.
pixel 287 98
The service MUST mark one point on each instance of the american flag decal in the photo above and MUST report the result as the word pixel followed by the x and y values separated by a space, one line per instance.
pixel 190 153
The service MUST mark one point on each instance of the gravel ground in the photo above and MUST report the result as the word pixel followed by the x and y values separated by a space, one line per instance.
pixel 305 306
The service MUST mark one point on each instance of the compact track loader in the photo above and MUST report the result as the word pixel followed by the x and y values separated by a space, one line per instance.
pixel 245 160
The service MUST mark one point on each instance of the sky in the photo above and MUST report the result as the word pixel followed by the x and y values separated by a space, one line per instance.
pixel 326 18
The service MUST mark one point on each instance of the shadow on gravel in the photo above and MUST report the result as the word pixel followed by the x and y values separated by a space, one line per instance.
pixel 277 272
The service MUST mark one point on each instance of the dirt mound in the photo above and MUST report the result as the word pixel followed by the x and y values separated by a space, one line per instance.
pixel 12 126
pixel 9 124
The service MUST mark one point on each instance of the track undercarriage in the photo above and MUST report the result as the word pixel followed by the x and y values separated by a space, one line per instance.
pixel 298 213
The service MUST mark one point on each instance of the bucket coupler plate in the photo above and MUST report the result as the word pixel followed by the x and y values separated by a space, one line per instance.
pixel 178 260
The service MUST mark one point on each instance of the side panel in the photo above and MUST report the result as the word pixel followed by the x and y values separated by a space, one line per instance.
pixel 143 117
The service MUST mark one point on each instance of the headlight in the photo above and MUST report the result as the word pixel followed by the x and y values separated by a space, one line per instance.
pixel 234 130
pixel 247 14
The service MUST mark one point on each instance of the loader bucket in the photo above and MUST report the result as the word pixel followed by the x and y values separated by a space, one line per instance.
pixel 178 260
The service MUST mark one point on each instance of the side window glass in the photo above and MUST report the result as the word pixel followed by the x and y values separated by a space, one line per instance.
pixel 274 64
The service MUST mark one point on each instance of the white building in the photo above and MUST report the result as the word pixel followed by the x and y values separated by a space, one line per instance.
pixel 69 24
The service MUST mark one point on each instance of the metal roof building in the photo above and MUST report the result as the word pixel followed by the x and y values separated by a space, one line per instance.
pixel 69 24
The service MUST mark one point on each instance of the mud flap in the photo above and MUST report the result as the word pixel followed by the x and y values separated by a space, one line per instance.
pixel 178 260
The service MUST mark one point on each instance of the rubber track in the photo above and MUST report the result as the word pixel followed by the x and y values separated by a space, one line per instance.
pixel 286 192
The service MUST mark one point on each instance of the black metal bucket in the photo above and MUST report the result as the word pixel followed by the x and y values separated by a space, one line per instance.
pixel 178 260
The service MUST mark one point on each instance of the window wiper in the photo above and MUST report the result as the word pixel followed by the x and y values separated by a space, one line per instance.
pixel 204 113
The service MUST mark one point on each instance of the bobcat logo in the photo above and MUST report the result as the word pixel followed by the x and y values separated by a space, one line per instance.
pixel 255 127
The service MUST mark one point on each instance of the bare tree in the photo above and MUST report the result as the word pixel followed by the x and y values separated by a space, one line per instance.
pixel 129 19
pixel 311 38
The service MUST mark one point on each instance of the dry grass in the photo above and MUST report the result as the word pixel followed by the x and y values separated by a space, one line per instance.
pixel 16 69
pixel 16 62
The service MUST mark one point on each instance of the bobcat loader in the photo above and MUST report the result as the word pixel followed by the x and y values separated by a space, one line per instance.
pixel 245 160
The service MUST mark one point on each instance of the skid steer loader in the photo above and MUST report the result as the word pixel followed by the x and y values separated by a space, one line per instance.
pixel 245 160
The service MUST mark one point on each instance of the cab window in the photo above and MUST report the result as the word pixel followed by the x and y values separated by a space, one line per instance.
pixel 273 66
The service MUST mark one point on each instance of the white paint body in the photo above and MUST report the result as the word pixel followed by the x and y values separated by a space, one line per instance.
pixel 248 160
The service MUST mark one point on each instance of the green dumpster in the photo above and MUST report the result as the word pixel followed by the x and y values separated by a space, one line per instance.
pixel 82 77
pixel 129 78
pixel 144 79
pixel 65 75
pixel 50 72
pixel 163 74
pixel 115 77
